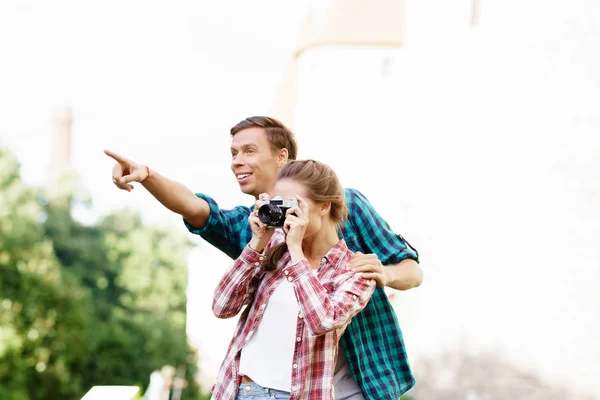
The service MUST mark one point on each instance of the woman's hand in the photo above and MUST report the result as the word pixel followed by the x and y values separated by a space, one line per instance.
pixel 261 234
pixel 295 224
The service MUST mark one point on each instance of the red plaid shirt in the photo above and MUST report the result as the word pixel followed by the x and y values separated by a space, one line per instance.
pixel 327 303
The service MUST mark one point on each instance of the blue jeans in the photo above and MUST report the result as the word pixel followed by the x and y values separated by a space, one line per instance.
pixel 252 391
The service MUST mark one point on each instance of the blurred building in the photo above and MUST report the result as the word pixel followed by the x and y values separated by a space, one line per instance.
pixel 475 135
pixel 480 140
pixel 60 157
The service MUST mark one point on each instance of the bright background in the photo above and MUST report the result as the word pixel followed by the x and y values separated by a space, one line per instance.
pixel 479 143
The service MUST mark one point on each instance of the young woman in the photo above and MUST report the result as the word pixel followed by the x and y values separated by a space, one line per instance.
pixel 299 294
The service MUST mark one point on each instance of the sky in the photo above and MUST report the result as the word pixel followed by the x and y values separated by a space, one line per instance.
pixel 158 83
pixel 163 83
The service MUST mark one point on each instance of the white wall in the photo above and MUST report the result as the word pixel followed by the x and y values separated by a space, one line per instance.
pixel 481 146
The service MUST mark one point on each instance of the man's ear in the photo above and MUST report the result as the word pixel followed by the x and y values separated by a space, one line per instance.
pixel 325 207
pixel 282 157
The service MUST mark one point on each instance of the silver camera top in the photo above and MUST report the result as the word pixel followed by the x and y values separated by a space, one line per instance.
pixel 279 201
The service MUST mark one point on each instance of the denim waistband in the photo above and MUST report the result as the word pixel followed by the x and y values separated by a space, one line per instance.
pixel 252 389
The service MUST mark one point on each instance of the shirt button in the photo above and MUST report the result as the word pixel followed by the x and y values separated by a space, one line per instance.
pixel 295 365
pixel 257 263
pixel 354 297
pixel 294 388
pixel 323 260
pixel 297 340
pixel 299 315
pixel 286 272
pixel 248 388
pixel 290 279
pixel 261 258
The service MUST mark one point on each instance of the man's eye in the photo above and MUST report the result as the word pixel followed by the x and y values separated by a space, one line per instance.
pixel 250 151
pixel 233 154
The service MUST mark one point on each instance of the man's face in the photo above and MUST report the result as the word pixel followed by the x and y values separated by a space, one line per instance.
pixel 253 163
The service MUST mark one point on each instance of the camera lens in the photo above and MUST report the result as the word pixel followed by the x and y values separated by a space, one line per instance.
pixel 270 214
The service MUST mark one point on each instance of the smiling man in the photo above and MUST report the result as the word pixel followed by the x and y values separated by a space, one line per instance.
pixel 373 363
pixel 257 154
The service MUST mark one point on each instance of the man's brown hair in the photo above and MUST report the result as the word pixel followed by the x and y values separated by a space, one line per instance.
pixel 278 135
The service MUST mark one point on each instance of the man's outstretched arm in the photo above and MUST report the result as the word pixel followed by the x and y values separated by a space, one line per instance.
pixel 171 194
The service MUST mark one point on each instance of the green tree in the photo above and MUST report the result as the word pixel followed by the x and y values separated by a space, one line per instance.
pixel 137 278
pixel 42 310
pixel 85 305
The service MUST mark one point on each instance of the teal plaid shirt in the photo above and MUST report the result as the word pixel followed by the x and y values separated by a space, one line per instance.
pixel 373 341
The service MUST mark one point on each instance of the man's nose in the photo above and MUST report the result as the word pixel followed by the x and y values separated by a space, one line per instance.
pixel 238 161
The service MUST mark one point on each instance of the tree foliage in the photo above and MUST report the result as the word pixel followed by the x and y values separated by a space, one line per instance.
pixel 85 305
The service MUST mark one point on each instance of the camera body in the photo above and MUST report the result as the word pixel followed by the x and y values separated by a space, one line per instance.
pixel 272 213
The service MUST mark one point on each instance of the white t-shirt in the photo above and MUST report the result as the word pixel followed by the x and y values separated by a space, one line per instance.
pixel 267 357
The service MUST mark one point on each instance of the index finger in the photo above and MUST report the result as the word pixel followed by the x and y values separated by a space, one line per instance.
pixel 358 254
pixel 263 196
pixel 261 200
pixel 297 211
pixel 359 258
pixel 115 156
pixel 302 204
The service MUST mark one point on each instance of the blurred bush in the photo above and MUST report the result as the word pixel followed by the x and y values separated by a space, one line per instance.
pixel 85 305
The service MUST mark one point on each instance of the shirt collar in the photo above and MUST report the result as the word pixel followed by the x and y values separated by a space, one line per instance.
pixel 333 256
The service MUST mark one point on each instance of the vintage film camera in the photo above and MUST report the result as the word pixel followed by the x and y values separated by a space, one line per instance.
pixel 272 213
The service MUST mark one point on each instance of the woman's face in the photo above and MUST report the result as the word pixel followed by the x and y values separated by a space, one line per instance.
pixel 289 189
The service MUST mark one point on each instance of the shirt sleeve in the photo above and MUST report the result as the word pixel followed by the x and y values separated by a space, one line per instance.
pixel 374 233
pixel 327 308
pixel 239 284
pixel 225 229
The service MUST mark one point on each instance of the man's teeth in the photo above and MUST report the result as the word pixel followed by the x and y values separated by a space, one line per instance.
pixel 243 176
